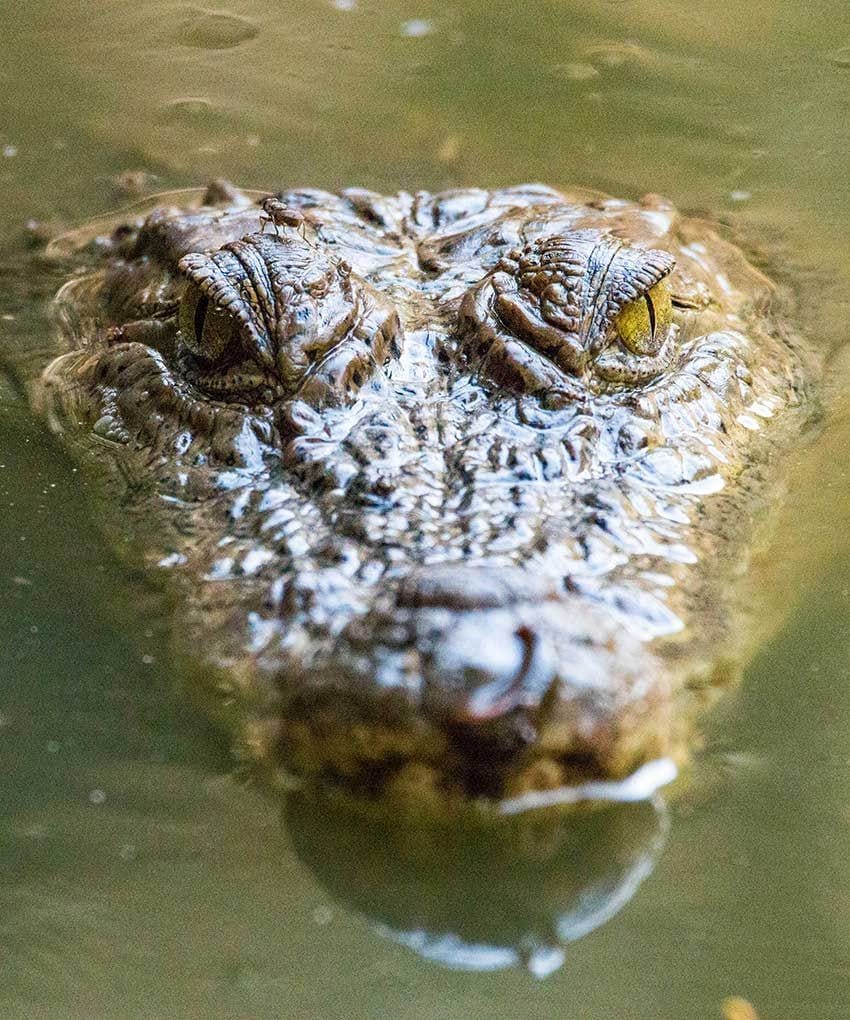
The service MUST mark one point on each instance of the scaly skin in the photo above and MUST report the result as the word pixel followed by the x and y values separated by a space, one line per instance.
pixel 448 504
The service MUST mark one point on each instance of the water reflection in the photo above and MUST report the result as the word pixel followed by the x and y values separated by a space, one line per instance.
pixel 482 899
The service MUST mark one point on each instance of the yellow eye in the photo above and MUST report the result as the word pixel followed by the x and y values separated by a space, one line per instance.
pixel 205 330
pixel 642 325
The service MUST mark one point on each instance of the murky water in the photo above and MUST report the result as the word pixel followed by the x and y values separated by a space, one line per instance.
pixel 139 879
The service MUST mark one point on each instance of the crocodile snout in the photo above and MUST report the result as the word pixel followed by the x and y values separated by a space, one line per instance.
pixel 490 689
pixel 556 678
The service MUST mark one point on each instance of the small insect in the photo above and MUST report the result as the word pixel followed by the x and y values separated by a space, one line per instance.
pixel 279 214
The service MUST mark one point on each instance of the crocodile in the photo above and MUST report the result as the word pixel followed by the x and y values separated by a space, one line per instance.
pixel 449 490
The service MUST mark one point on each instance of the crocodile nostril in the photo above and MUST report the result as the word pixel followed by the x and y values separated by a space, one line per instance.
pixel 494 699
pixel 482 670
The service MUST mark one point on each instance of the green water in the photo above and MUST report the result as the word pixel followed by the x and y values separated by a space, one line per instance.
pixel 138 879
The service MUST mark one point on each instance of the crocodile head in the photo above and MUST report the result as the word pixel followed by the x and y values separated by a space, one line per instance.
pixel 449 487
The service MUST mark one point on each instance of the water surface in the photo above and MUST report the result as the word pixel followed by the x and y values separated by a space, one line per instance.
pixel 139 878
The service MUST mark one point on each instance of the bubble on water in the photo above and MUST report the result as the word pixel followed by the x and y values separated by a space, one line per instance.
pixel 740 196
pixel 215 30
pixel 128 852
pixel 53 746
pixel 575 71
pixel 416 28
pixel 619 53
pixel 97 796
pixel 10 151
pixel 148 660
pixel 344 5
pixel 323 916
pixel 194 111
pixel 449 151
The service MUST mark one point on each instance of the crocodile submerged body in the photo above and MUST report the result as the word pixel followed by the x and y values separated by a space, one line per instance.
pixel 449 488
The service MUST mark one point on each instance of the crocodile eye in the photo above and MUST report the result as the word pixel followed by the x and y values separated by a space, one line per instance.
pixel 643 324
pixel 205 329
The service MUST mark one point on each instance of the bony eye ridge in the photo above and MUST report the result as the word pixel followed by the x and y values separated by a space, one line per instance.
pixel 265 314
pixel 643 325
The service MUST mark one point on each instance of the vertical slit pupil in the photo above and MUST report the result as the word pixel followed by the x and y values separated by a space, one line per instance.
pixel 650 307
pixel 200 317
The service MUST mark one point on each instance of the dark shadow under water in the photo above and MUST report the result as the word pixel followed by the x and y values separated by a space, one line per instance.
pixel 481 898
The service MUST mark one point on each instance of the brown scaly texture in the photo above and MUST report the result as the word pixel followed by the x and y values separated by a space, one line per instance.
pixel 439 523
